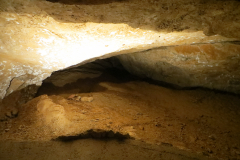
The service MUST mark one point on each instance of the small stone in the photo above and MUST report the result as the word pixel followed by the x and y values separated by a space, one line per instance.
pixel 141 127
pixel 20 127
pixel 87 99
pixel 72 96
pixel 14 112
pixel 157 124
pixel 9 114
pixel 78 98
pixel 6 130
pixel 212 137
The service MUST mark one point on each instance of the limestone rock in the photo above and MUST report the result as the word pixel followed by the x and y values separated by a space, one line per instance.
pixel 89 70
pixel 74 97
pixel 87 99
pixel 71 97
pixel 38 37
pixel 214 66
pixel 12 114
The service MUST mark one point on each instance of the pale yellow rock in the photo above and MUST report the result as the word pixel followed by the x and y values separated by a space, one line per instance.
pixel 51 114
pixel 87 99
pixel 38 37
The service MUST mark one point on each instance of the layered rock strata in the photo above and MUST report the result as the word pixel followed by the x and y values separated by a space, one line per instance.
pixel 214 66
pixel 38 37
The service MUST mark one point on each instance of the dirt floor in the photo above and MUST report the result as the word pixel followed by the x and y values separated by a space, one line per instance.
pixel 123 118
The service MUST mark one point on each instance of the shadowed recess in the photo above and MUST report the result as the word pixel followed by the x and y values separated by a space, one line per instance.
pixel 95 134
pixel 86 2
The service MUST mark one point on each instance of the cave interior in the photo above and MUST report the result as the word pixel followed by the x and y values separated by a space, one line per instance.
pixel 161 97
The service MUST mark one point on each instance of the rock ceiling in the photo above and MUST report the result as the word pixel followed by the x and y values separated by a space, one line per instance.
pixel 187 43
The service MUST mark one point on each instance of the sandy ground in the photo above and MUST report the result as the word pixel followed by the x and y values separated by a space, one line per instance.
pixel 89 149
pixel 125 119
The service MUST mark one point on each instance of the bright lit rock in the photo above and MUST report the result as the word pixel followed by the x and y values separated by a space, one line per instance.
pixel 38 37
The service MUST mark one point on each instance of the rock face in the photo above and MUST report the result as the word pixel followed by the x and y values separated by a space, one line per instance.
pixel 38 37
pixel 214 66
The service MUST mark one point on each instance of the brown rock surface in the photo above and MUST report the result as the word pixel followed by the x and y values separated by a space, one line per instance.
pixel 43 37
pixel 200 122
pixel 182 42
pixel 215 66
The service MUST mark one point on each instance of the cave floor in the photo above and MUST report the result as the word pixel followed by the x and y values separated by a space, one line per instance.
pixel 127 119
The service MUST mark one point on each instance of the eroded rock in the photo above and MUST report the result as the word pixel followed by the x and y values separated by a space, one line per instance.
pixel 214 66
pixel 39 37
pixel 87 99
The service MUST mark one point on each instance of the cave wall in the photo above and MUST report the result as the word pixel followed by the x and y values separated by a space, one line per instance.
pixel 38 37
pixel 214 66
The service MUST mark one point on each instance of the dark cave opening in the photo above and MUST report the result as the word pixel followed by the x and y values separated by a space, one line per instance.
pixel 85 2
pixel 86 76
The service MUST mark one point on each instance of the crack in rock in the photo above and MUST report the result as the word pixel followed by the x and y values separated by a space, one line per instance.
pixel 96 134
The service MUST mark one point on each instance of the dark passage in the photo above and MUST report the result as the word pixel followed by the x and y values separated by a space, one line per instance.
pixel 86 2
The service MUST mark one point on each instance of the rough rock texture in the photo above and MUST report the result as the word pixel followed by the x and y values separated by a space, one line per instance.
pixel 200 122
pixel 88 70
pixel 215 66
pixel 38 37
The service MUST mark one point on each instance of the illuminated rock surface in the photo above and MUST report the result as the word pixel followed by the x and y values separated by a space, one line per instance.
pixel 184 43
pixel 38 37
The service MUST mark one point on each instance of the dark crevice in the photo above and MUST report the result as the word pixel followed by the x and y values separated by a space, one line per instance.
pixel 95 134
pixel 85 2
pixel 177 87
pixel 111 70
